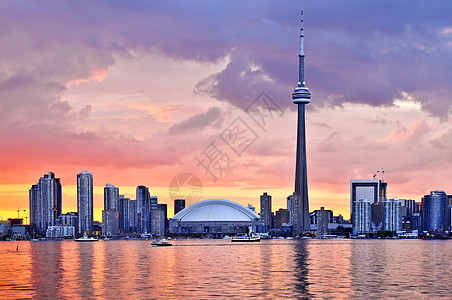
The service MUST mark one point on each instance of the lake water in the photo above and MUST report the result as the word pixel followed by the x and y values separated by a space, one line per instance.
pixel 198 269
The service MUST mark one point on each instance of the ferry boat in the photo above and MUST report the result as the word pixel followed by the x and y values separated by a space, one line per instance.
pixel 246 238
pixel 160 243
pixel 86 238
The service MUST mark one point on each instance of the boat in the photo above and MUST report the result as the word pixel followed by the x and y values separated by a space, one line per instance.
pixel 246 239
pixel 86 238
pixel 160 243
pixel 251 237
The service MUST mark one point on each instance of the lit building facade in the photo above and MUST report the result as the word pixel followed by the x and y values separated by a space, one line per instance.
pixel 164 207
pixel 111 197
pixel 68 219
pixel 323 218
pixel 60 231
pixel 266 212
pixel 143 210
pixel 433 211
pixel 85 201
pixel 362 216
pixel 153 202
pixel 45 200
pixel 110 223
pixel 133 216
pixel 158 221
pixel 124 210
pixel 366 195
pixel 392 215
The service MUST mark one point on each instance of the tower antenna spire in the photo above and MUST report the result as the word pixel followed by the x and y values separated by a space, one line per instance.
pixel 301 55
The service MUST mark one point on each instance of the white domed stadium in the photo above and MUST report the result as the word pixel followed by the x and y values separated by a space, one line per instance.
pixel 213 216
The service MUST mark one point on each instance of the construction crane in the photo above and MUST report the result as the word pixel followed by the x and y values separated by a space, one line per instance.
pixel 18 212
pixel 382 174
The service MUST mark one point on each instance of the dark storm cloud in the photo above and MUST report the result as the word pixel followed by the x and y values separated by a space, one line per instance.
pixel 360 52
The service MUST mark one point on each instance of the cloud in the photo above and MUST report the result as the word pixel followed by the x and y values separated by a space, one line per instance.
pixel 211 118
pixel 413 132
pixel 365 52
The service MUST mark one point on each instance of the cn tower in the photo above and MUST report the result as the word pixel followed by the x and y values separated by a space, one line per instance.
pixel 301 96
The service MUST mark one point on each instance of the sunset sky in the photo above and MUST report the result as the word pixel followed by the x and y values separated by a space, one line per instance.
pixel 136 92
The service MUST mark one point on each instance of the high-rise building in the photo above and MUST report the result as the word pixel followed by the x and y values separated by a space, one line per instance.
pixel 153 202
pixel 85 201
pixel 266 211
pixel 315 215
pixel 45 203
pixel 111 197
pixel 407 212
pixel 143 210
pixel 110 223
pixel 392 215
pixel 282 217
pixel 294 211
pixel 158 222
pixel 179 204
pixel 110 214
pixel 449 218
pixel 133 216
pixel 163 207
pixel 124 210
pixel 407 207
pixel 33 207
pixel 368 195
pixel 376 219
pixel 324 217
pixel 68 219
pixel 433 211
pixel 301 96
pixel 362 216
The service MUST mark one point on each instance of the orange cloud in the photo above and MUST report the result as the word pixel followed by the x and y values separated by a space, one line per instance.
pixel 412 132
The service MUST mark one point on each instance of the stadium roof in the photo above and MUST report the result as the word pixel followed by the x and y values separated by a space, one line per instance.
pixel 212 210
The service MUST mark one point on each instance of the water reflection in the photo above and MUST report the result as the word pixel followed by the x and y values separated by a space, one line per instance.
pixel 219 269
pixel 46 269
pixel 301 272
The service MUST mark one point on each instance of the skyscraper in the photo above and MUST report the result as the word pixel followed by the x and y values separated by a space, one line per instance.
pixel 433 211
pixel 153 200
pixel 133 215
pixel 282 216
pixel 301 96
pixel 163 207
pixel 266 211
pixel 392 215
pixel 45 203
pixel 143 209
pixel 111 197
pixel 179 204
pixel 110 214
pixel 366 204
pixel 124 209
pixel 85 202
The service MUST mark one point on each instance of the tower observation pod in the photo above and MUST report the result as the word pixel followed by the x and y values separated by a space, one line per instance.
pixel 299 205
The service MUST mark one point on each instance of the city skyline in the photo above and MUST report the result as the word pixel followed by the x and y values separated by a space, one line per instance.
pixel 80 95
